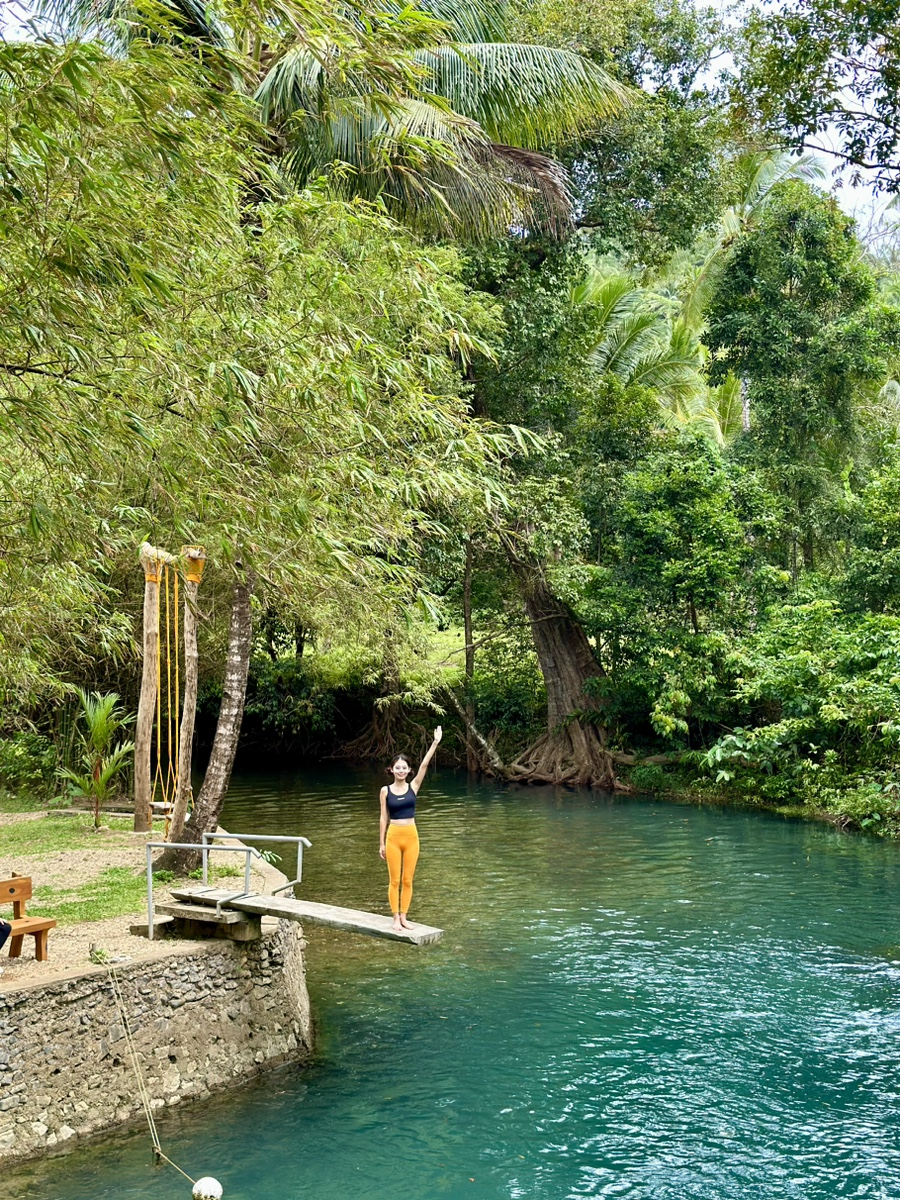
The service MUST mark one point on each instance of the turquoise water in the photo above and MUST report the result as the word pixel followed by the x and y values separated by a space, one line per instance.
pixel 632 999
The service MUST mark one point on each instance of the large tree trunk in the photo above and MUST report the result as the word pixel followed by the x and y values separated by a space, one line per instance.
pixel 573 750
pixel 205 816
pixel 195 560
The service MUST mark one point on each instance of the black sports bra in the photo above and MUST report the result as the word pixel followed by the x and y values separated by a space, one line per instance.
pixel 401 807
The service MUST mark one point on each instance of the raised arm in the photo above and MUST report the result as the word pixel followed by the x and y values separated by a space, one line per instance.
pixel 383 824
pixel 420 774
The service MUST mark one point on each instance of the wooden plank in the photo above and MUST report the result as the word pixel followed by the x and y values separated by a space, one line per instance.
pixel 287 908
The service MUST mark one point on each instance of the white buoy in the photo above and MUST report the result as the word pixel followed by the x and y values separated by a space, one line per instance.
pixel 207 1188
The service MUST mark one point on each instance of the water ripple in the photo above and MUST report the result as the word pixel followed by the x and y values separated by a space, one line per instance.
pixel 632 999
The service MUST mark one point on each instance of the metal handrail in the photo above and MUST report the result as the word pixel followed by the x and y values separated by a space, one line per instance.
pixel 206 849
pixel 264 837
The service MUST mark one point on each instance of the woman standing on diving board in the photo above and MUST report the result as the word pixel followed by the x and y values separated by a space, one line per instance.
pixel 399 836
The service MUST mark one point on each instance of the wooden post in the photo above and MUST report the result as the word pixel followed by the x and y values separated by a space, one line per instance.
pixel 152 560
pixel 194 558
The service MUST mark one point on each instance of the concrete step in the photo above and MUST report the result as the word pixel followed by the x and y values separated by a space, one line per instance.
pixel 197 912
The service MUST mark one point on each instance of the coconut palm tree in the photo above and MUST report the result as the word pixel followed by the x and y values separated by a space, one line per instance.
pixel 101 761
pixel 427 109
pixel 638 341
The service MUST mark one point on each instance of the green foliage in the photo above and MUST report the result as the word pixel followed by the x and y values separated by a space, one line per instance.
pixel 28 766
pixel 156 383
pixel 818 692
pixel 680 538
pixel 653 176
pixel 648 778
pixel 651 181
pixel 101 719
pixel 289 705
pixel 795 314
pixel 809 64
pixel 508 692
pixel 423 108
pixel 873 570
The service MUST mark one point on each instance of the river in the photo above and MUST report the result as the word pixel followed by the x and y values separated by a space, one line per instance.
pixel 633 998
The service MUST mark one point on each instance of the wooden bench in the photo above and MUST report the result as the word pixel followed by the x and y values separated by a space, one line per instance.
pixel 16 891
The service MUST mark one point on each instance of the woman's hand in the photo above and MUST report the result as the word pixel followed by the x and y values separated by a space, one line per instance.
pixel 438 734
pixel 381 852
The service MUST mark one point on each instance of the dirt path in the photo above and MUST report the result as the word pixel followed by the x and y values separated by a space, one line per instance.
pixel 70 945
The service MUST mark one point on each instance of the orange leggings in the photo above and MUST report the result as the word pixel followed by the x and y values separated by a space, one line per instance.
pixel 401 849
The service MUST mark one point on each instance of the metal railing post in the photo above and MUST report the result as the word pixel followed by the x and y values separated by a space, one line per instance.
pixel 246 850
pixel 149 893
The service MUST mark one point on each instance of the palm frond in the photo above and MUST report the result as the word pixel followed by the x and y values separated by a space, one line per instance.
pixel 716 413
pixel 613 295
pixel 470 20
pixel 759 173
pixel 420 157
pixel 627 342
pixel 296 83
pixel 672 368
pixel 530 96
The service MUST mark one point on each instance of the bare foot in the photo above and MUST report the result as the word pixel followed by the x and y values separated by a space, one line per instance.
pixel 398 928
pixel 404 922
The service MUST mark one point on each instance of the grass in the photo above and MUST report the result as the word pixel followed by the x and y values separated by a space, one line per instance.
pixel 11 802
pixel 114 893
pixel 55 831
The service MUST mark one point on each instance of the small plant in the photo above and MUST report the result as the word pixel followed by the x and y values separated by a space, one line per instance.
pixel 163 876
pixel 98 955
pixel 100 720
pixel 215 873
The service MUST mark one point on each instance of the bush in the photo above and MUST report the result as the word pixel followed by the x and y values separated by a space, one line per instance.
pixel 28 764
pixel 649 778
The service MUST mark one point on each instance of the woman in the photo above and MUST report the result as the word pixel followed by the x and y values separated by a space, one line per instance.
pixel 399 837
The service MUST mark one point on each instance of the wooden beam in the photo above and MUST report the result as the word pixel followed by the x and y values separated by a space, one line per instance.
pixel 287 908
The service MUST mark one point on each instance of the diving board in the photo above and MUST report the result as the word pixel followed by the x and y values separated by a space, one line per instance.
pixel 307 911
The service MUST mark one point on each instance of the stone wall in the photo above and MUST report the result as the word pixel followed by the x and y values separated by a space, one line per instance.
pixel 203 1016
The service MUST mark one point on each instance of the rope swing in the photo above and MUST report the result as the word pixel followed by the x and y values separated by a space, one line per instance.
pixel 164 731
pixel 166 778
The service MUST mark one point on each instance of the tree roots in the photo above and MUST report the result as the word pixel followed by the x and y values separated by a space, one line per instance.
pixel 572 754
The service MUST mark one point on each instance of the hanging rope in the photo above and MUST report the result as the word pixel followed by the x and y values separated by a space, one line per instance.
pixel 143 1091
pixel 165 780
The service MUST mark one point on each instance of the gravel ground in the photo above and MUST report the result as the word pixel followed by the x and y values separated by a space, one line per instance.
pixel 70 945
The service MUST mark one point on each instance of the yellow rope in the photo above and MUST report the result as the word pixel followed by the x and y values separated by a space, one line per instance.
pixel 158 776
pixel 165 779
pixel 139 1074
